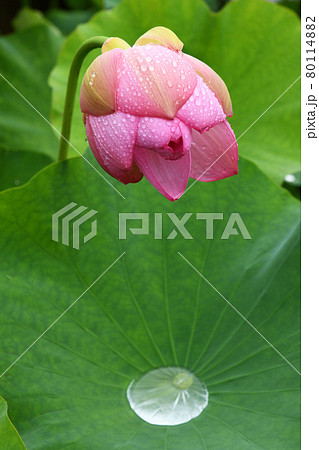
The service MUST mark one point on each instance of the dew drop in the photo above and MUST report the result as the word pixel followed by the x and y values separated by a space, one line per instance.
pixel 169 83
pixel 167 396
pixel 290 178
pixel 151 68
pixel 143 68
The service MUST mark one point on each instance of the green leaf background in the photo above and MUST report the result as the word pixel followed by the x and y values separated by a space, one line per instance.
pixel 9 436
pixel 27 143
pixel 26 59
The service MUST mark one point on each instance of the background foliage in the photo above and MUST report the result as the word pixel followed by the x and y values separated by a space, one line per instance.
pixel 151 309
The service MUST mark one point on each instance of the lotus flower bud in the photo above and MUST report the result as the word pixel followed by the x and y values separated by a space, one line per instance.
pixel 152 110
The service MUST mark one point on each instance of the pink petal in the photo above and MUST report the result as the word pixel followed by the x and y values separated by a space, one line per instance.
pixel 214 153
pixel 213 81
pixel 153 81
pixel 112 139
pixel 168 177
pixel 202 110
pixel 170 138
pixel 98 89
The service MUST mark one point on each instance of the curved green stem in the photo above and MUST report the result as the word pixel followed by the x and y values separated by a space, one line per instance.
pixel 85 48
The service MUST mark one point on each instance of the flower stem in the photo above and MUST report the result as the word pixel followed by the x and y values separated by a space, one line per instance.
pixel 81 53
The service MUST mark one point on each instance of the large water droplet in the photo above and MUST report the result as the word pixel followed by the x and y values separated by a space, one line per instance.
pixel 167 396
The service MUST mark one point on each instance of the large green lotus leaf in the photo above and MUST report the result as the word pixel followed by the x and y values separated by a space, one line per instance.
pixel 9 438
pixel 150 309
pixel 26 59
pixel 252 44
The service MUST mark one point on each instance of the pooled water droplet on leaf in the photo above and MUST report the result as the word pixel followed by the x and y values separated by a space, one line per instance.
pixel 167 396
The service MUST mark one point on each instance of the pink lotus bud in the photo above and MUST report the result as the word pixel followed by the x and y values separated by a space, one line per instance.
pixel 152 110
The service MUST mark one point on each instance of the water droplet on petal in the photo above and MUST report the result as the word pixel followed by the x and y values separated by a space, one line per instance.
pixel 169 83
